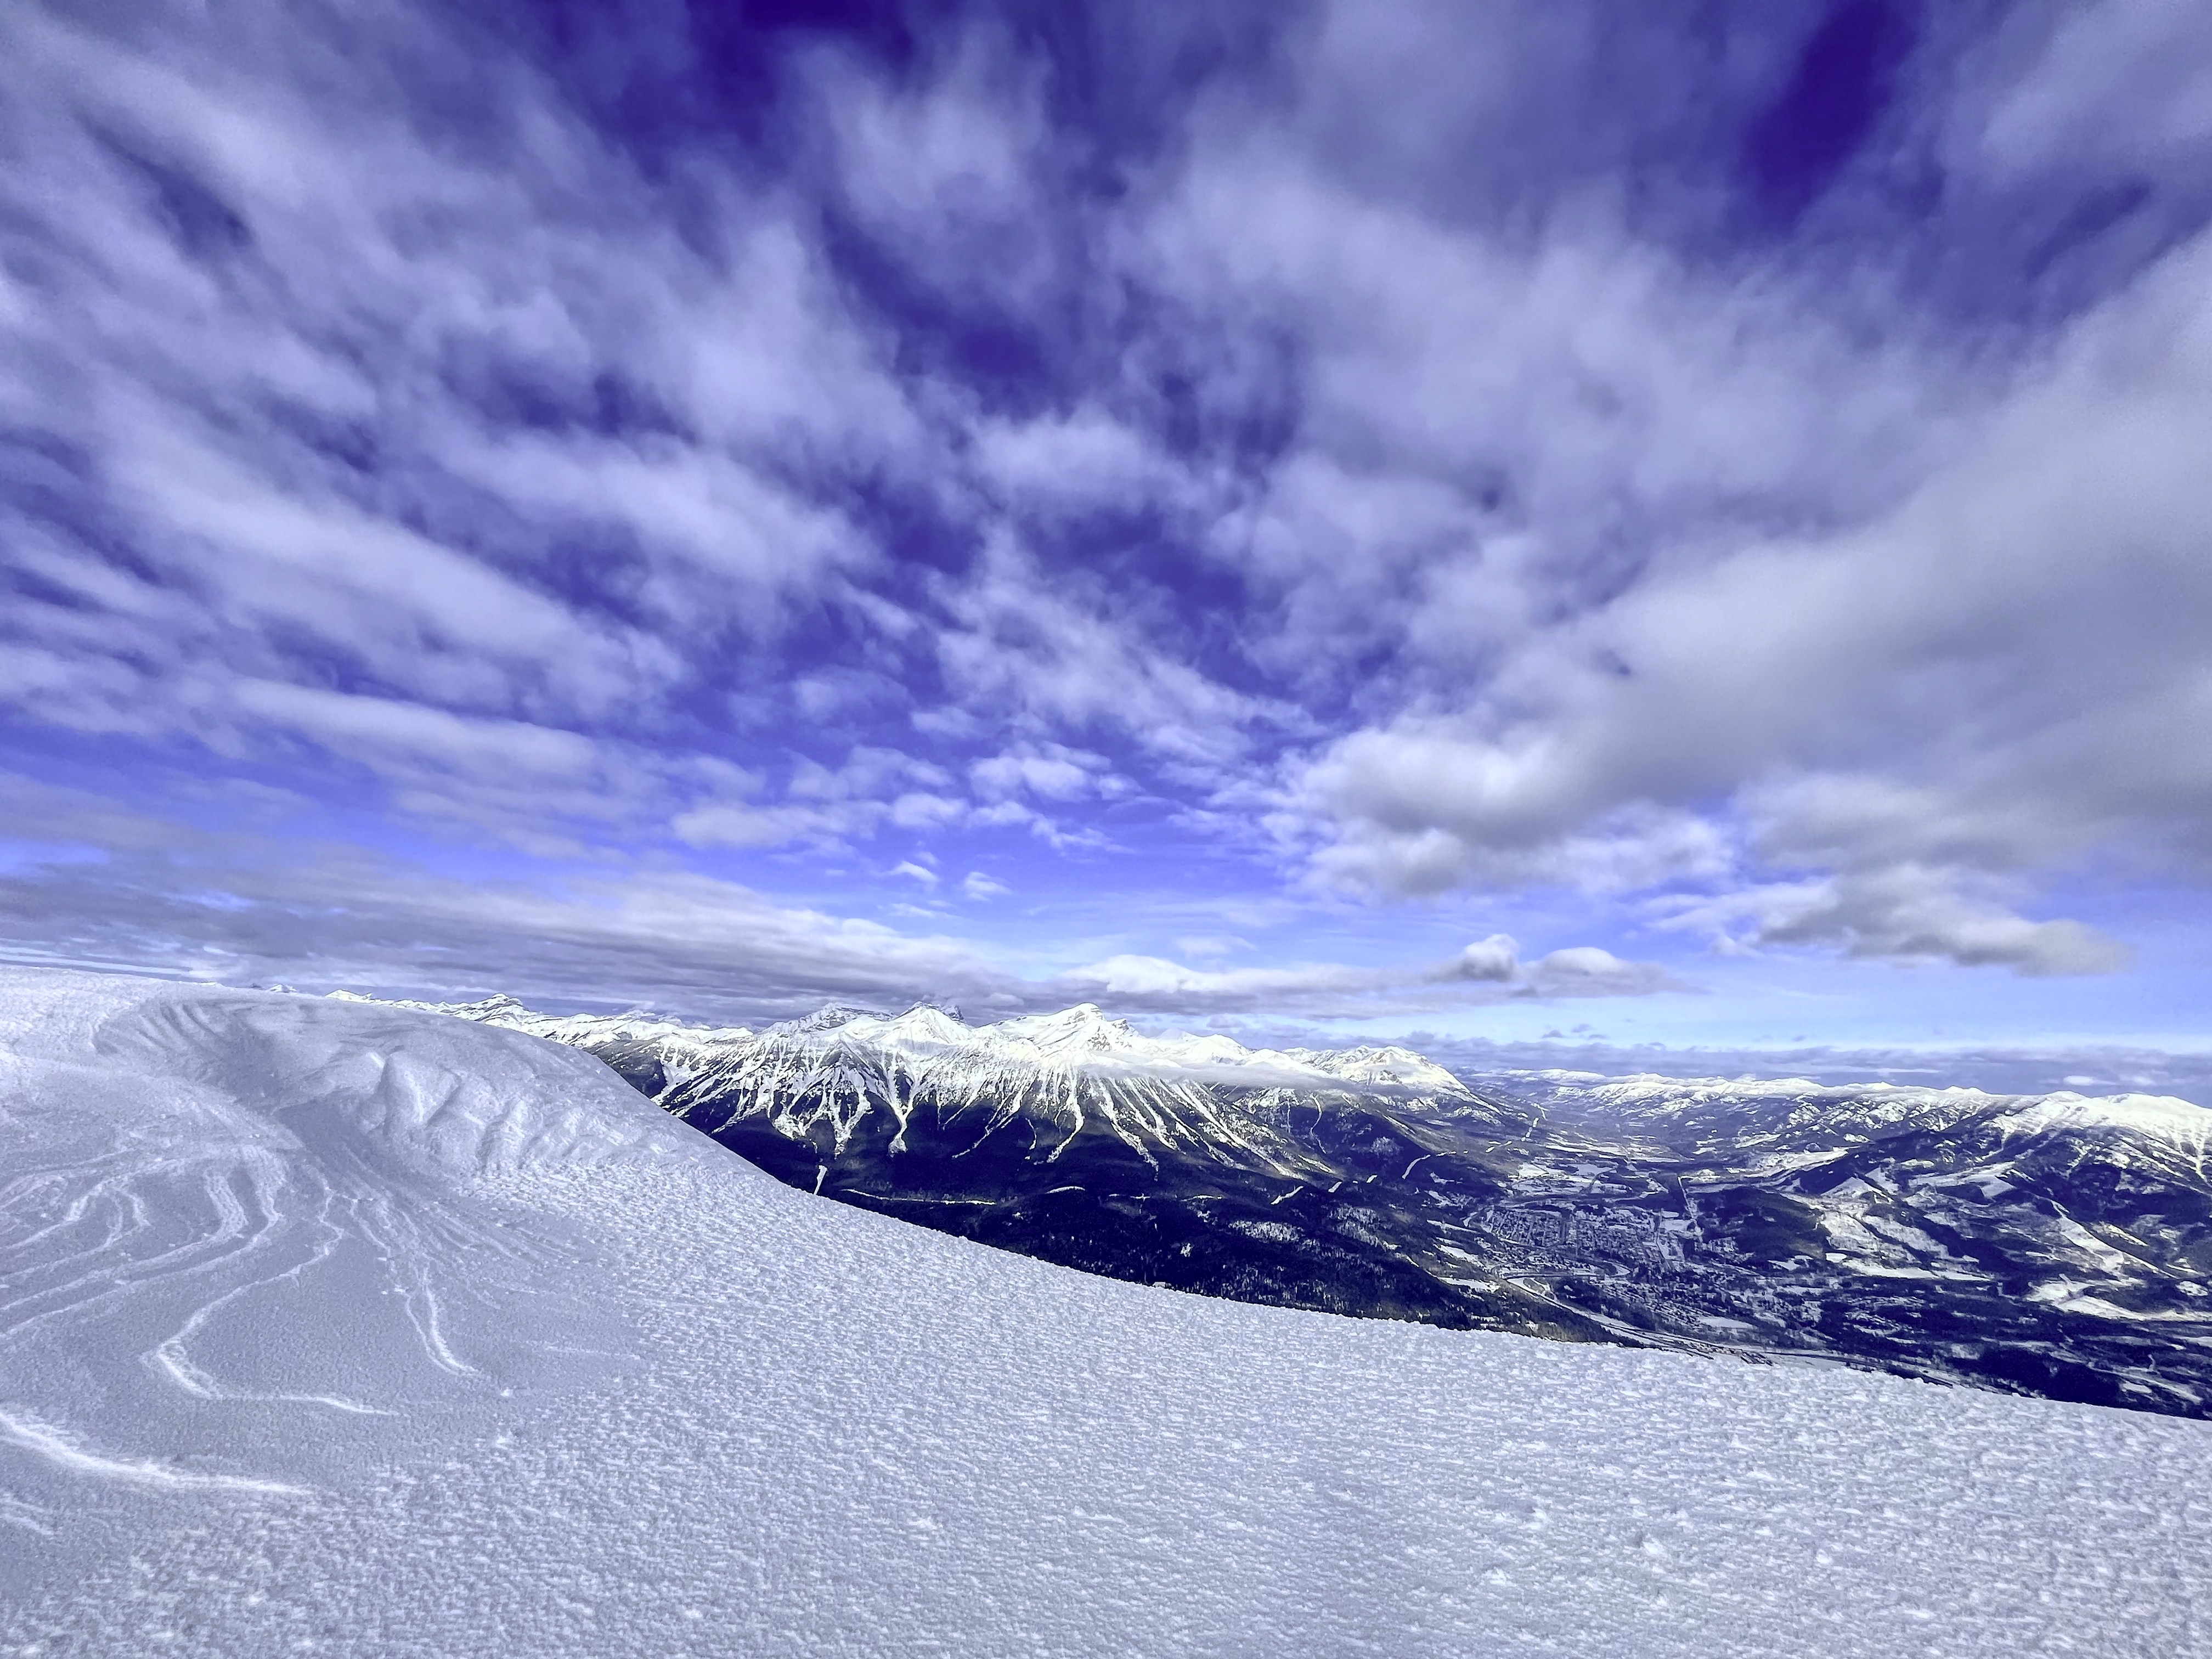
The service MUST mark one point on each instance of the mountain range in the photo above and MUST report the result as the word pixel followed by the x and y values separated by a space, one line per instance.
pixel 2056 1245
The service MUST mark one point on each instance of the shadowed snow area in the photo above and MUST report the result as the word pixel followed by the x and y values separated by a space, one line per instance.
pixel 329 1324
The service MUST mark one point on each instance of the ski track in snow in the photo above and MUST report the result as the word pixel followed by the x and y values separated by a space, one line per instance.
pixel 333 1327
pixel 65 1451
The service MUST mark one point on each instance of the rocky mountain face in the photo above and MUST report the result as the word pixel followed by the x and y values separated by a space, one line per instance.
pixel 2055 1245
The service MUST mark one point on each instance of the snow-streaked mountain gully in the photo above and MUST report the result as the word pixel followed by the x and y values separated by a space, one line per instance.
pixel 343 1328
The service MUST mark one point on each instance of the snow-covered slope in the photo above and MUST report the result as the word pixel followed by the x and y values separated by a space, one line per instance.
pixel 1186 1162
pixel 2053 1245
pixel 338 1328
pixel 679 1050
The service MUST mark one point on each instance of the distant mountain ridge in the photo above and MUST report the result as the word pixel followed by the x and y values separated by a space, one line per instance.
pixel 2058 1244
pixel 1058 1074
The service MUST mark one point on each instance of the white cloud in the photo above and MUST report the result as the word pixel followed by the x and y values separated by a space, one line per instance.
pixel 1584 970
pixel 353 452
pixel 868 773
pixel 322 915
pixel 1054 662
pixel 246 905
pixel 1496 957
pixel 1050 771
pixel 1487 971
pixel 918 809
pixel 1085 461
pixel 738 824
pixel 950 167
pixel 1997 630
pixel 1903 912
pixel 2119 81
pixel 1505 518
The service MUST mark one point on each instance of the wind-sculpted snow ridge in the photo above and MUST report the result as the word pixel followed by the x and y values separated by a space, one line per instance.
pixel 340 1328
pixel 677 1046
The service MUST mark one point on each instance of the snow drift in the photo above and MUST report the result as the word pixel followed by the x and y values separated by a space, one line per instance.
pixel 335 1326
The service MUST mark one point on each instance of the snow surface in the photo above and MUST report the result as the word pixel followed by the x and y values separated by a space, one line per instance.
pixel 341 1328
pixel 2180 1122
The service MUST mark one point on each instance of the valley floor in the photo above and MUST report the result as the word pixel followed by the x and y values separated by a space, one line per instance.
pixel 333 1327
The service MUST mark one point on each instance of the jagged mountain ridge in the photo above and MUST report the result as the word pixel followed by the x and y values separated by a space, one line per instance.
pixel 1262 1174
pixel 2056 1245
pixel 1055 1077
pixel 1049 1083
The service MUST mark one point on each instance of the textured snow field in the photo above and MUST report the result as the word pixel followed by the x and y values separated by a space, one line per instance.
pixel 332 1328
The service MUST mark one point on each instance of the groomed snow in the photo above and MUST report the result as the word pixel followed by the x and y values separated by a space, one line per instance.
pixel 330 1326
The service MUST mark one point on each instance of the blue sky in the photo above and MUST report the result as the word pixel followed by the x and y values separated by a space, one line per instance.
pixel 1539 522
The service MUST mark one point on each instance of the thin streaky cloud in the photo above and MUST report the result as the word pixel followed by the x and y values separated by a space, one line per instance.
pixel 1679 500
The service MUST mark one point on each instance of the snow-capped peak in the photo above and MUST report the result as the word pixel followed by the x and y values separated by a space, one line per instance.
pixel 828 1018
pixel 925 1024
pixel 1083 1028
pixel 2161 1117
pixel 1080 1041
pixel 1381 1065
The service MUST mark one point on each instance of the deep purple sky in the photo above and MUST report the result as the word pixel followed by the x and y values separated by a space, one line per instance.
pixel 1682 522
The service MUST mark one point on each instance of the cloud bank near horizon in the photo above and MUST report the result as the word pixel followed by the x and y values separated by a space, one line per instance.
pixel 328 916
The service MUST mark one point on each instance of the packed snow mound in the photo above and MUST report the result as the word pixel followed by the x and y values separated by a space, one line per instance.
pixel 382 1082
pixel 578 1031
pixel 326 1327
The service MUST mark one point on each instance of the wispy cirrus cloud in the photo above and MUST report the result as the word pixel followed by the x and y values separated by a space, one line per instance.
pixel 1917 704
pixel 1488 971
pixel 1742 486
